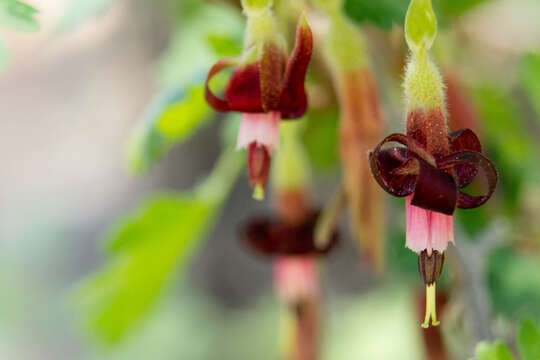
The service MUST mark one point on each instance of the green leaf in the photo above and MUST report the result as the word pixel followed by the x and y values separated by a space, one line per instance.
pixel 492 351
pixel 170 119
pixel 382 13
pixel 457 7
pixel 80 11
pixel 530 80
pixel 146 248
pixel 528 341
pixel 18 16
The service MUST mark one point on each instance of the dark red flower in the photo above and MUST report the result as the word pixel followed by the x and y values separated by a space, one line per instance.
pixel 271 83
pixel 434 181
pixel 273 237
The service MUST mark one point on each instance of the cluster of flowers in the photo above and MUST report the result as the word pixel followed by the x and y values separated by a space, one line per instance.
pixel 429 167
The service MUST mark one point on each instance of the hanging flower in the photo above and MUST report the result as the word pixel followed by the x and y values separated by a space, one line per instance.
pixel 293 249
pixel 266 86
pixel 432 166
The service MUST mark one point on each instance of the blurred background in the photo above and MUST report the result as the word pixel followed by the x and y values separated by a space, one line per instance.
pixel 80 101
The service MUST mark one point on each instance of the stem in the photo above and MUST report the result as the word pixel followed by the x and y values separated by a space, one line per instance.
pixel 329 217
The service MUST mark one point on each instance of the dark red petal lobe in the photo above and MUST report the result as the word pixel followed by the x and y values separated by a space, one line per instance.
pixel 258 163
pixel 214 101
pixel 384 166
pixel 435 190
pixel 473 158
pixel 272 237
pixel 243 93
pixel 464 140
pixel 271 67
pixel 293 101
pixel 396 169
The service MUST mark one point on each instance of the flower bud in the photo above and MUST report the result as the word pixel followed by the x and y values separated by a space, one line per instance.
pixel 430 266
pixel 420 25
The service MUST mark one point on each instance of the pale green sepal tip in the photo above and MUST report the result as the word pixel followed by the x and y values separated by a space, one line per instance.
pixel 420 25
pixel 258 192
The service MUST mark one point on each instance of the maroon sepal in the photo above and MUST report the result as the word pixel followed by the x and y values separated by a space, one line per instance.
pixel 293 102
pixel 436 185
pixel 258 164
pixel 273 237
pixel 267 84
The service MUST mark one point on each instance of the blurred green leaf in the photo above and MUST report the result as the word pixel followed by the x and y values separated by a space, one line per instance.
pixel 457 7
pixel 80 11
pixel 383 13
pixel 528 341
pixel 514 283
pixel 211 31
pixel 18 16
pixel 171 118
pixel 320 138
pixel 509 144
pixel 530 80
pixel 492 351
pixel 146 248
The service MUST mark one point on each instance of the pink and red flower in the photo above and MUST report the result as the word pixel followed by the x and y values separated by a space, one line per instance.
pixel 265 91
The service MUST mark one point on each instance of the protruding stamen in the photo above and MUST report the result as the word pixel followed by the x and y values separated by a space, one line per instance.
pixel 431 311
pixel 258 192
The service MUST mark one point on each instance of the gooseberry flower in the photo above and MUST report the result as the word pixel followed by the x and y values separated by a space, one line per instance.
pixel 265 86
pixel 432 166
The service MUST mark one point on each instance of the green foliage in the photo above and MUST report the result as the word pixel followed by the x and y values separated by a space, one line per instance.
pixel 492 351
pixel 170 119
pixel 207 32
pixel 514 283
pixel 80 11
pixel 18 16
pixel 528 341
pixel 387 13
pixel 530 80
pixel 382 13
pixel 146 248
pixel 457 7
pixel 507 140
pixel 320 138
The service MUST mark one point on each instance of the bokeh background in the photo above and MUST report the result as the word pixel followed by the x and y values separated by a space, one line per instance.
pixel 74 92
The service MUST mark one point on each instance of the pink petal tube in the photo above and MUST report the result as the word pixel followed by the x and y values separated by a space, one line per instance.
pixel 296 278
pixel 262 128
pixel 426 229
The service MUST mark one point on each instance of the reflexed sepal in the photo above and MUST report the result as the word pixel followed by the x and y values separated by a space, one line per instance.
pixel 268 83
pixel 436 184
